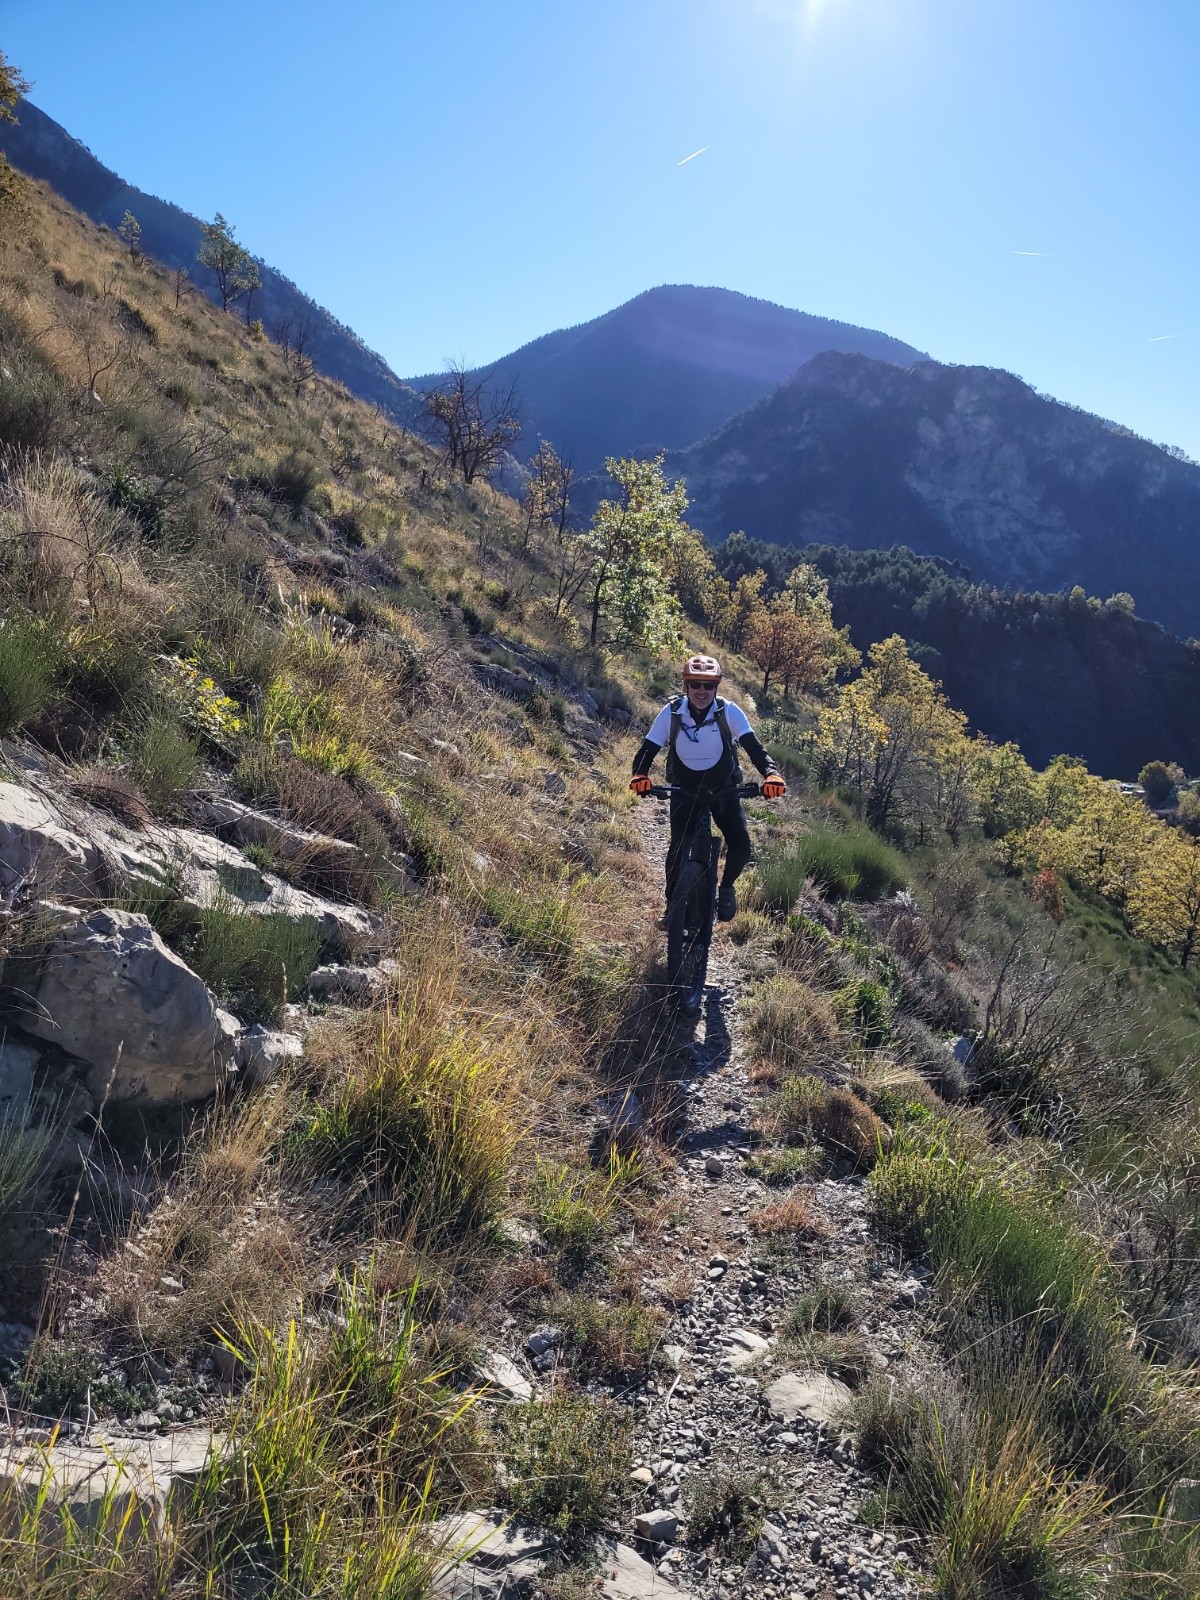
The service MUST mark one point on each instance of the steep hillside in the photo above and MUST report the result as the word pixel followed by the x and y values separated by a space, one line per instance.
pixel 963 462
pixel 41 148
pixel 665 369
pixel 1057 674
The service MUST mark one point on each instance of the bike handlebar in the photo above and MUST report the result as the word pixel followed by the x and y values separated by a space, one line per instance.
pixel 744 791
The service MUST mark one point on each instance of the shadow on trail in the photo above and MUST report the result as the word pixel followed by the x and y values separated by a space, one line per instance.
pixel 653 1067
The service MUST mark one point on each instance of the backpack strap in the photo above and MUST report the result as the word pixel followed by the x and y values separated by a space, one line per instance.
pixel 727 739
pixel 676 721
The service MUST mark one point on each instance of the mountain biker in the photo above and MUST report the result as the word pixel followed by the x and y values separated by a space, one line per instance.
pixel 703 732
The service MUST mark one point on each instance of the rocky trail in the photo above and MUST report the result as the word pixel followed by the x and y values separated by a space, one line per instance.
pixel 737 1424
pixel 739 1407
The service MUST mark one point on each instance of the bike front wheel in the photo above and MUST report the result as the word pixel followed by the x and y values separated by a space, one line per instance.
pixel 689 932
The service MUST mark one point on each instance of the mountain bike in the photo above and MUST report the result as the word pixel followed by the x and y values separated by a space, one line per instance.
pixel 693 906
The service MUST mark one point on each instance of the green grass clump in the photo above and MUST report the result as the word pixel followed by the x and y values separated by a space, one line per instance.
pixel 164 759
pixel 425 1119
pixel 30 662
pixel 825 1308
pixel 779 1168
pixel 253 964
pixel 541 921
pixel 791 1025
pixel 567 1463
pixel 854 864
pixel 865 1007
pixel 980 1481
pixel 574 1211
pixel 617 1343
pixel 23 1159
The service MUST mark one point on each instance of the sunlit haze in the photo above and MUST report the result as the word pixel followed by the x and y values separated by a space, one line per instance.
pixel 1006 182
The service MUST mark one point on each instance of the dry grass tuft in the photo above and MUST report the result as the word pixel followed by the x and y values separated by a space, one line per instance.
pixel 792 1216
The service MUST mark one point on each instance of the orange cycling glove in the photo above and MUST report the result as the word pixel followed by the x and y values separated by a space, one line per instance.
pixel 640 784
pixel 774 788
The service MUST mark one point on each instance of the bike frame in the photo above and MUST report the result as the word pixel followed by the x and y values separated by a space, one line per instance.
pixel 693 906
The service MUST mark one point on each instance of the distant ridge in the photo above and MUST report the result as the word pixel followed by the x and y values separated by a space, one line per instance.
pixel 665 369
pixel 41 148
pixel 967 463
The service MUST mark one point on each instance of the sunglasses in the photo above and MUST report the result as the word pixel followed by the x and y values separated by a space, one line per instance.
pixel 695 683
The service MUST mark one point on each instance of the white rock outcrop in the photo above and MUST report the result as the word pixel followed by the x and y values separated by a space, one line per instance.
pixel 114 996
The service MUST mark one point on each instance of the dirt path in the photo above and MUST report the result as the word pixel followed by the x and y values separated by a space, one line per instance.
pixel 712 1418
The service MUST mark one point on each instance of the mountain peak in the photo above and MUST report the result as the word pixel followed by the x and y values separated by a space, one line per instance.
pixel 665 368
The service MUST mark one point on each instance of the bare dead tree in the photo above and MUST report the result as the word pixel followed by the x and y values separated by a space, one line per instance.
pixel 293 334
pixel 472 420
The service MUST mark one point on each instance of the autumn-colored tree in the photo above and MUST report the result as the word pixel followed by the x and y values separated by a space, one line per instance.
pixel 1092 833
pixel 129 231
pixel 629 541
pixel 894 737
pixel 12 87
pixel 689 570
pixel 1164 897
pixel 731 608
pixel 1005 787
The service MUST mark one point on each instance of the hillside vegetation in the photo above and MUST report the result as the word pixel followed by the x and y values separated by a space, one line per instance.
pixel 38 146
pixel 1055 673
pixel 969 983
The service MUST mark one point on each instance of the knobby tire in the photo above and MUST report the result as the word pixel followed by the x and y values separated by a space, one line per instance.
pixel 689 933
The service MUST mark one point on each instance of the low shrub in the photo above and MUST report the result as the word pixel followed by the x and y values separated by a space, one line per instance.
pixel 567 1463
pixel 61 1379
pixel 617 1343
pixel 854 864
pixel 809 1109
pixel 725 1507
pixel 790 1218
pixel 164 761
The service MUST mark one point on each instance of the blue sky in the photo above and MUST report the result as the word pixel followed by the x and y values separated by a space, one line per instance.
pixel 1007 182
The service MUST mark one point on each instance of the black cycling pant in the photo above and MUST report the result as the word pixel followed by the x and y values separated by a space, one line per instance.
pixel 727 814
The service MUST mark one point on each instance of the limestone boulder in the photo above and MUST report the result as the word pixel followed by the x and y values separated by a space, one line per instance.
pixel 814 1396
pixel 262 1053
pixel 40 853
pixel 203 869
pixel 625 1575
pixel 484 1557
pixel 113 1482
pixel 111 987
